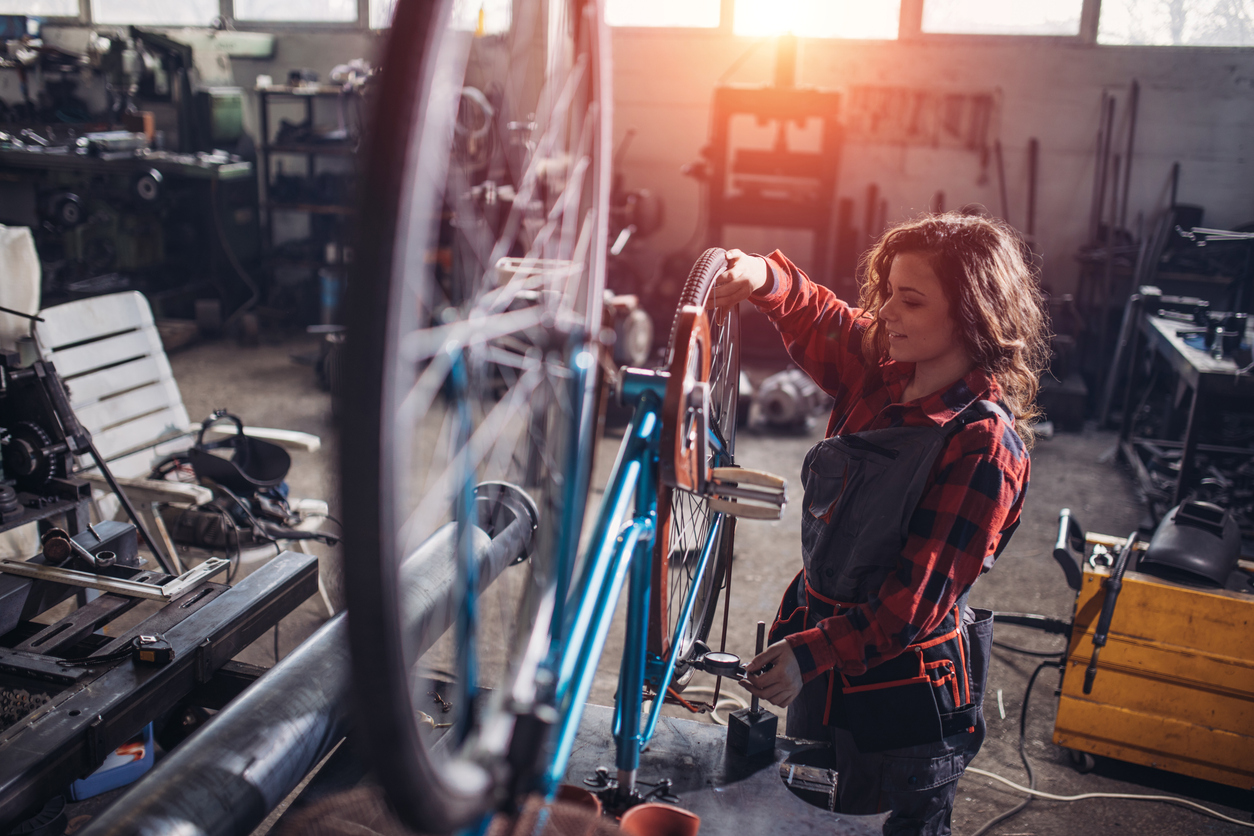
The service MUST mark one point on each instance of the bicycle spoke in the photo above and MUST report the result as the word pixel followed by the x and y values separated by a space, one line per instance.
pixel 438 493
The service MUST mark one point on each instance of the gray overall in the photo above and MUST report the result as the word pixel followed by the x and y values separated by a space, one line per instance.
pixel 905 730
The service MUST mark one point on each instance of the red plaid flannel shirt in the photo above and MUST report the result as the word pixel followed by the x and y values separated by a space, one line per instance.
pixel 974 494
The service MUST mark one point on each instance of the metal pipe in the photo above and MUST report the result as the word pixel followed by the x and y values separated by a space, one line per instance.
pixel 1000 159
pixel 1034 151
pixel 227 779
pixel 1103 161
pixel 1133 101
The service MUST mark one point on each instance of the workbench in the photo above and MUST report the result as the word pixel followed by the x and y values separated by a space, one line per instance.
pixel 1208 380
pixel 731 793
pixel 191 166
pixel 94 708
pixel 168 220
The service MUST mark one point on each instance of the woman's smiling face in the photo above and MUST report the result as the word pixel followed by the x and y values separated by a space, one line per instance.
pixel 916 316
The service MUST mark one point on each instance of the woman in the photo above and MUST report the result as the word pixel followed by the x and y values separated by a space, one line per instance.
pixel 916 490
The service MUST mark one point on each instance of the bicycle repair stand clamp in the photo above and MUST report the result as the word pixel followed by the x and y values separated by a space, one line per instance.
pixel 751 731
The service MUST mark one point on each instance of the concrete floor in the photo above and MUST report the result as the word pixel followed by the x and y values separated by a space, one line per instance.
pixel 267 388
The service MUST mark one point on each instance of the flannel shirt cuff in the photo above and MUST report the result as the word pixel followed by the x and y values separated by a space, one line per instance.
pixel 814 652
pixel 771 294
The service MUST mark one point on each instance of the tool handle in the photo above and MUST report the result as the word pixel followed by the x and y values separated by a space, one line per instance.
pixel 1090 673
pixel 754 705
pixel 1070 537
pixel 1113 584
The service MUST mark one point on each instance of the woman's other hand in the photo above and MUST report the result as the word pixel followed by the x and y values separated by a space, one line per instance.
pixel 744 274
pixel 782 683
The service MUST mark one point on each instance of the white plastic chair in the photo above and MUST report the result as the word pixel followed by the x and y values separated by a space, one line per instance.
pixel 108 352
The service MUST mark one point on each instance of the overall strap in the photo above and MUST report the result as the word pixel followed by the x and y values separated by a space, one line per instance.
pixel 978 410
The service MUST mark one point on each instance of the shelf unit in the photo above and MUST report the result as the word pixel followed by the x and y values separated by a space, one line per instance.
pixel 327 262
pixel 329 219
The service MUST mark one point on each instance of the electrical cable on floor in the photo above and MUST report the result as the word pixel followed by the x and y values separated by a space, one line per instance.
pixel 1050 654
pixel 1033 792
pixel 728 700
pixel 1170 799
pixel 1023 755
pixel 316 516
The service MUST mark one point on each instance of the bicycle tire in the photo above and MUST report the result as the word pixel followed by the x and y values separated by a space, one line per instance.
pixel 684 518
pixel 482 241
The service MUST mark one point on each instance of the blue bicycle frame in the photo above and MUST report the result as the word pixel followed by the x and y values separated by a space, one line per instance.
pixel 620 547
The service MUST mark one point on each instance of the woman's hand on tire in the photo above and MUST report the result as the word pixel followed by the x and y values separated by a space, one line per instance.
pixel 744 274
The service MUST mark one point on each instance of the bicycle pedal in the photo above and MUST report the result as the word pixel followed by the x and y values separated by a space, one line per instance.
pixel 741 492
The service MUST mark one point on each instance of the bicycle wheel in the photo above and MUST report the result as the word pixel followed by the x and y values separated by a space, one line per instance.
pixel 481 257
pixel 685 522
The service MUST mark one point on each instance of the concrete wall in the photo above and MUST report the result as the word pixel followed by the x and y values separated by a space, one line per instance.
pixel 1196 106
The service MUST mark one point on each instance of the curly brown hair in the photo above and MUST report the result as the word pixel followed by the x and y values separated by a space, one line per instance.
pixel 992 287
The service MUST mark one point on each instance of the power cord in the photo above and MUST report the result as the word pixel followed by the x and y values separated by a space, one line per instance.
pixel 1033 792
pixel 1023 755
pixel 1048 654
pixel 727 701
pixel 1170 799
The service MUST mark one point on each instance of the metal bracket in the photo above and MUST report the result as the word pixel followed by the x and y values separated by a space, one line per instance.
pixel 119 586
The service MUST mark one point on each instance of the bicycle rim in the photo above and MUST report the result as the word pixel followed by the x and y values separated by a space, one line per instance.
pixel 685 522
pixel 483 236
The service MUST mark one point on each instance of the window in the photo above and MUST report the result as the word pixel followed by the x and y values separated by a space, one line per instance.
pixel 678 13
pixel 40 8
pixel 154 12
pixel 327 11
pixel 818 18
pixel 489 17
pixel 381 13
pixel 999 17
pixel 1177 22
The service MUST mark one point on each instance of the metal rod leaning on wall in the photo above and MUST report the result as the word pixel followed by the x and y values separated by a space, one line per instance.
pixel 235 771
pixel 1103 163
pixel 1001 180
pixel 1134 97
pixel 1034 154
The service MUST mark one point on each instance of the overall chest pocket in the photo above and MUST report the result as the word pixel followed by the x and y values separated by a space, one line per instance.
pixel 839 479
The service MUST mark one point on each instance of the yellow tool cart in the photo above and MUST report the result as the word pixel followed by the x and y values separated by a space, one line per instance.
pixel 1160 663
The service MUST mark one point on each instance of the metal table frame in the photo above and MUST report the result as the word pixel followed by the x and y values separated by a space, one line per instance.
pixel 1206 377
